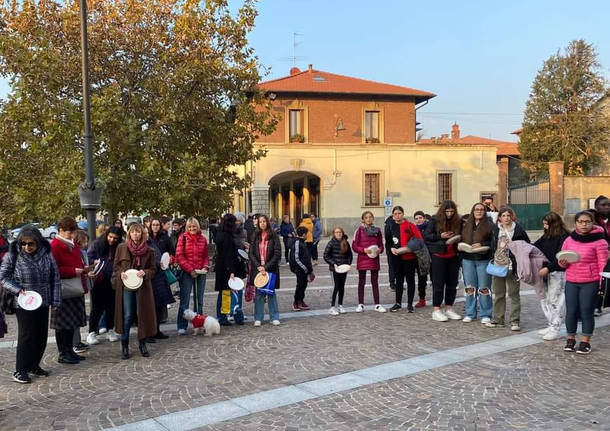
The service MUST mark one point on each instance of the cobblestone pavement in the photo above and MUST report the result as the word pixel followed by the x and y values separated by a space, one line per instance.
pixel 537 387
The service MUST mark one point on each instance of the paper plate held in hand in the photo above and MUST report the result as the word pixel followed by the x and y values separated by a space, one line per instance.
pixel 454 239
pixel 30 300
pixel 372 251
pixel 132 282
pixel 236 284
pixel 605 275
pixel 201 271
pixel 342 269
pixel 261 279
pixel 165 261
pixel 98 267
pixel 243 253
pixel 568 255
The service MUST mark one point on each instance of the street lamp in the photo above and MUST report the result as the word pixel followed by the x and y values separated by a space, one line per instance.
pixel 90 195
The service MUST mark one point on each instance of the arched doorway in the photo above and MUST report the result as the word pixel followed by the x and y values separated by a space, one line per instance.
pixel 294 193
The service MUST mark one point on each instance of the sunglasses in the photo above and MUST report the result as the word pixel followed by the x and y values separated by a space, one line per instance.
pixel 27 244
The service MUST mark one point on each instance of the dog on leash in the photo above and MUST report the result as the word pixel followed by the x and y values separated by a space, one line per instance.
pixel 202 323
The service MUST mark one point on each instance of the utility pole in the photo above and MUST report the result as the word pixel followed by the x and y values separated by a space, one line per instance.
pixel 90 195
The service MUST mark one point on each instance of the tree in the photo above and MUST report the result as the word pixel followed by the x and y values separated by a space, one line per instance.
pixel 561 121
pixel 174 105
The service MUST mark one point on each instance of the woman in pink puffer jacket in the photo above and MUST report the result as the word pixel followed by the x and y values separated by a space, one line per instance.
pixel 583 279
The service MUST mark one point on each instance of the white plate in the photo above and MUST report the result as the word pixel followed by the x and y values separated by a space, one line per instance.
pixel 342 269
pixel 605 274
pixel 132 282
pixel 243 253
pixel 569 255
pixel 454 239
pixel 236 284
pixel 201 271
pixel 165 261
pixel 372 251
pixel 30 300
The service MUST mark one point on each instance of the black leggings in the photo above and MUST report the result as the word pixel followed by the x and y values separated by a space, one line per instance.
pixel 444 279
pixel 339 280
pixel 102 300
pixel 422 282
pixel 65 339
pixel 404 269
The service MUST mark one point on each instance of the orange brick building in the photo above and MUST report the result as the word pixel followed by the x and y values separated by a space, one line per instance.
pixel 344 145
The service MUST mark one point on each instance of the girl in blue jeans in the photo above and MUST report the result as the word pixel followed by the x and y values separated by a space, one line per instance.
pixel 477 232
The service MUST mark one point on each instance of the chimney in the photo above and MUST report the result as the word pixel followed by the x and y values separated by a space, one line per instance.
pixel 310 68
pixel 294 71
pixel 455 131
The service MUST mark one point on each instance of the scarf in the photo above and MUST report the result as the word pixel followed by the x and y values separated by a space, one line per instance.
pixel 137 251
pixel 68 242
pixel 508 233
pixel 262 247
pixel 590 237
pixel 371 230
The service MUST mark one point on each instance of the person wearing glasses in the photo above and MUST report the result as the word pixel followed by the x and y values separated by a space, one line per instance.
pixel 583 279
pixel 30 266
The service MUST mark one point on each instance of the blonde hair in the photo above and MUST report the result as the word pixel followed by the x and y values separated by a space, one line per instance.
pixel 193 220
pixel 137 227
pixel 101 229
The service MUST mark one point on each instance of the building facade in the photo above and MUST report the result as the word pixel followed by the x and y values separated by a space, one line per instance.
pixel 345 145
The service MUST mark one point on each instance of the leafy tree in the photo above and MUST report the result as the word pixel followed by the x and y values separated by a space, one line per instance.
pixel 561 121
pixel 174 105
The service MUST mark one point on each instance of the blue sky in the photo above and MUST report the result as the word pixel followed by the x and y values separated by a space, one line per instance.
pixel 479 57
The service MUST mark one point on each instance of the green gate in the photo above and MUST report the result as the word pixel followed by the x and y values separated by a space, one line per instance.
pixel 531 202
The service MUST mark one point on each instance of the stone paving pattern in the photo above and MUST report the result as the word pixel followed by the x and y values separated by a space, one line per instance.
pixel 530 388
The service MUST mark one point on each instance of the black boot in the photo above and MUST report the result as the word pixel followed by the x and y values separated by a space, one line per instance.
pixel 143 350
pixel 124 349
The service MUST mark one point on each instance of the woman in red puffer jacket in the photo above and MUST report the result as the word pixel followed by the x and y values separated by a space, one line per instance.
pixel 583 279
pixel 192 256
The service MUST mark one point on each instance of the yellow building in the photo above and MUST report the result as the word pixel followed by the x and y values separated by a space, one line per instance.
pixel 345 145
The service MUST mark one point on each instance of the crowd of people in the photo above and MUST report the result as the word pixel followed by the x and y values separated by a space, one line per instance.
pixel 488 245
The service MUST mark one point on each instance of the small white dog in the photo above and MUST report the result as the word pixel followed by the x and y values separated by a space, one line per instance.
pixel 202 323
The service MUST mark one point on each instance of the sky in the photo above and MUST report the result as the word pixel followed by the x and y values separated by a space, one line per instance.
pixel 479 57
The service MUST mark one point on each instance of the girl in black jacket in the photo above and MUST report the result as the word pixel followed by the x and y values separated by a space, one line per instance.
pixel 338 252
pixel 554 303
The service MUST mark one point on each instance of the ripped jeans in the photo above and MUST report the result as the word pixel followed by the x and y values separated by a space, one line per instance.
pixel 554 305
pixel 478 282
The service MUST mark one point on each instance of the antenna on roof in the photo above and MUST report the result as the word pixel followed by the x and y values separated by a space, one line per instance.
pixel 294 57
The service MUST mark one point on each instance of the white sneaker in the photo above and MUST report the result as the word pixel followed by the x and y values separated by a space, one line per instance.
pixel 439 316
pixel 181 331
pixel 92 339
pixel 467 319
pixel 102 331
pixel 552 334
pixel 257 323
pixel 112 336
pixel 342 310
pixel 452 315
pixel 485 320
pixel 515 327
pixel 333 311
pixel 380 308
pixel 360 308
pixel 543 331
pixel 275 322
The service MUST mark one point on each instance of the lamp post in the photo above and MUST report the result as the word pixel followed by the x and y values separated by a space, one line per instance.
pixel 90 195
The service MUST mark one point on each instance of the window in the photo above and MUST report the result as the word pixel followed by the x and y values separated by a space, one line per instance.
pixel 371 126
pixel 371 189
pixel 296 125
pixel 444 183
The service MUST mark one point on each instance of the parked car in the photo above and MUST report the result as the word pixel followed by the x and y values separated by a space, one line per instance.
pixel 83 224
pixel 14 232
pixel 50 231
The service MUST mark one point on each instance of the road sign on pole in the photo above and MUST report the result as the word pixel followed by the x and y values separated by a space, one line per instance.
pixel 387 203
